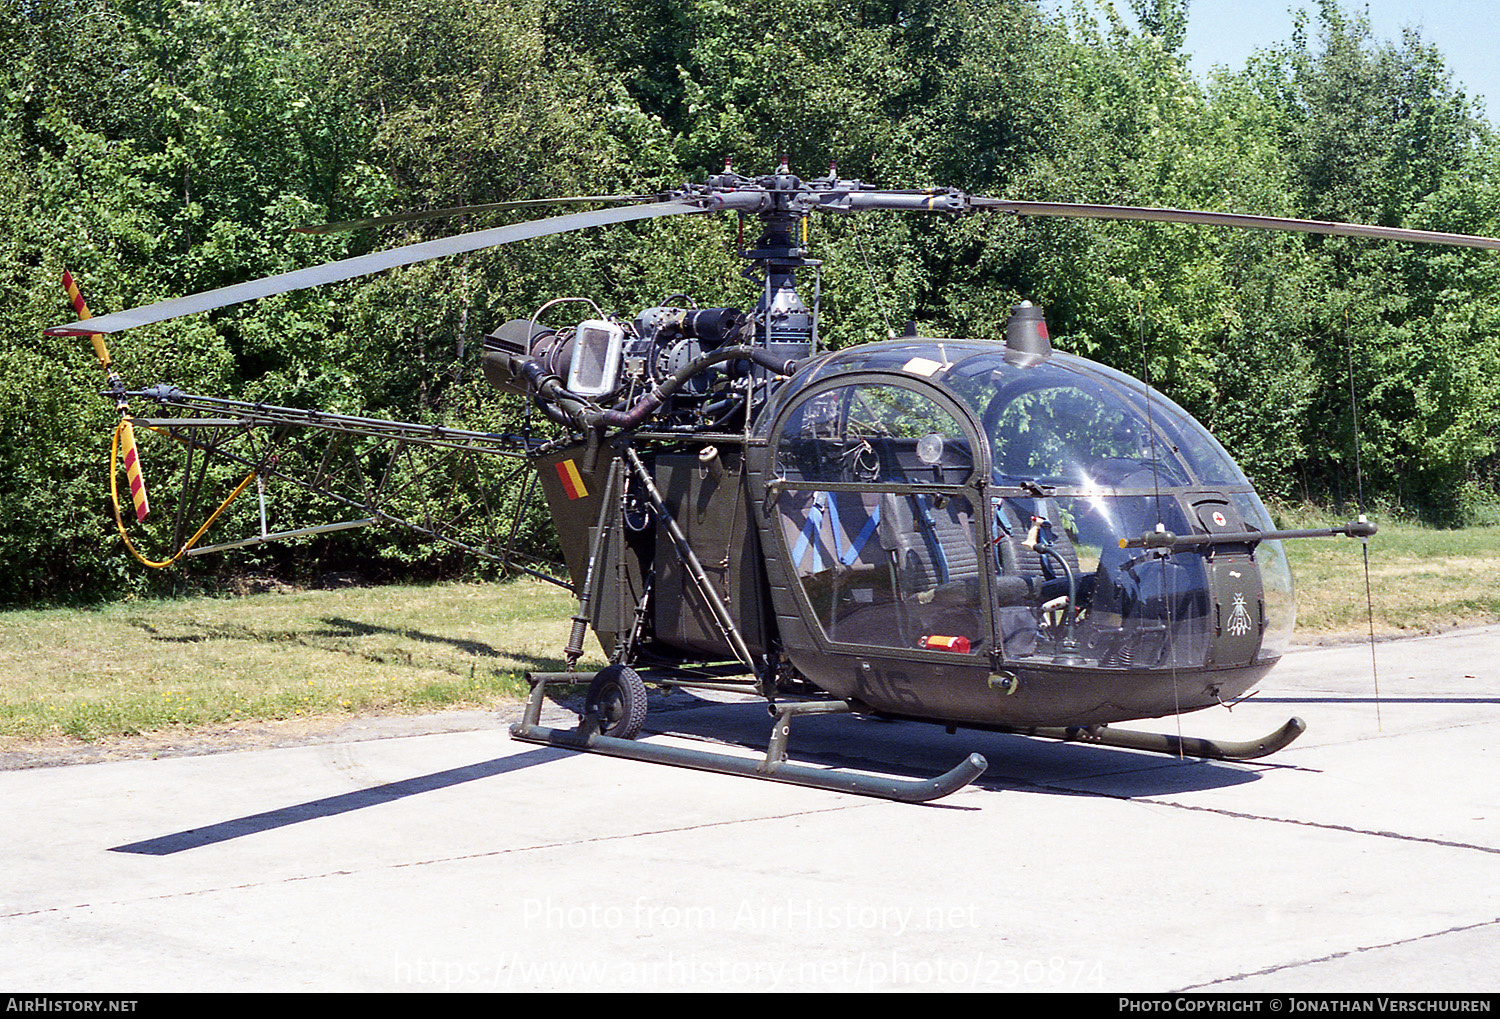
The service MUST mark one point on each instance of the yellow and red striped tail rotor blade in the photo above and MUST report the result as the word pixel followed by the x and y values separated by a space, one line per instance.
pixel 133 472
pixel 127 433
pixel 82 310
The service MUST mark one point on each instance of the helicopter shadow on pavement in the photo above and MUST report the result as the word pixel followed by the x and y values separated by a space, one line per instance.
pixel 329 806
pixel 921 750
pixel 910 749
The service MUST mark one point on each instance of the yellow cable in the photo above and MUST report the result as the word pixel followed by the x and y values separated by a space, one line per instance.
pixel 114 496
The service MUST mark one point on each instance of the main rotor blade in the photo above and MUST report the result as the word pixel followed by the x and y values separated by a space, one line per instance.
pixel 1306 226
pixel 363 265
pixel 461 210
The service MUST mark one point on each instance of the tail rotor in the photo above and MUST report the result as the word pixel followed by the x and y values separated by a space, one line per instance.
pixel 124 442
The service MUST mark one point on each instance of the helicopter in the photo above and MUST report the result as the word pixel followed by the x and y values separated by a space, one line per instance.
pixel 982 534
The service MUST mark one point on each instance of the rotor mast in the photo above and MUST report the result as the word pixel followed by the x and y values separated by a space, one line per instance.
pixel 782 202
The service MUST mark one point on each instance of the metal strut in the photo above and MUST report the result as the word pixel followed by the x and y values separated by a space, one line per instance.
pixel 574 650
pixel 773 767
pixel 694 568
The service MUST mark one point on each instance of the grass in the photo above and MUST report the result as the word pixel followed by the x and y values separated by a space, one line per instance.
pixel 1421 580
pixel 144 665
pixel 163 665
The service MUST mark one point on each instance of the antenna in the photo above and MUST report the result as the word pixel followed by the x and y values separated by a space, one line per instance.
pixel 1359 494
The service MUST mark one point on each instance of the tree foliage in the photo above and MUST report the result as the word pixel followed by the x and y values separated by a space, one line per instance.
pixel 162 147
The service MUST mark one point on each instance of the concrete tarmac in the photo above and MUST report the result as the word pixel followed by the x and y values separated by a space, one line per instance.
pixel 1363 858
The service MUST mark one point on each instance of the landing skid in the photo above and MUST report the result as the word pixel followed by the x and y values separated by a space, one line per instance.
pixel 773 768
pixel 1177 746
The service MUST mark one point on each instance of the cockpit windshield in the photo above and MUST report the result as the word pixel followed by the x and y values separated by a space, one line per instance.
pixel 1070 423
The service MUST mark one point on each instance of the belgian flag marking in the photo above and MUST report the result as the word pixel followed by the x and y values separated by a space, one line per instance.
pixel 572 481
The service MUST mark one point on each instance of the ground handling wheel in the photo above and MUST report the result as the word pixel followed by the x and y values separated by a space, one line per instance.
pixel 617 697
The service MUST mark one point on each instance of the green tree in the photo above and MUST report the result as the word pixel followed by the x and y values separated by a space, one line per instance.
pixel 1377 132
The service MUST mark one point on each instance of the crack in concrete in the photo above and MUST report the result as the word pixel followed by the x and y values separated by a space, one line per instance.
pixel 1324 826
pixel 1341 955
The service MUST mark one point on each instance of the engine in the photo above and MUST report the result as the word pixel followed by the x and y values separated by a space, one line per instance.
pixel 667 356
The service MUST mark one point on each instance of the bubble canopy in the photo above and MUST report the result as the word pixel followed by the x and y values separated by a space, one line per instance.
pixel 1063 422
pixel 967 447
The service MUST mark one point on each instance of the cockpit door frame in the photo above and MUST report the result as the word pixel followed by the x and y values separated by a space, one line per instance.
pixel 975 488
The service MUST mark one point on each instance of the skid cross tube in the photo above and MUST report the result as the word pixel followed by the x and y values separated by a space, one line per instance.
pixel 773 767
